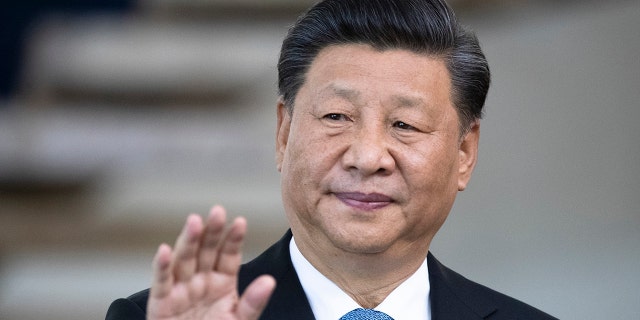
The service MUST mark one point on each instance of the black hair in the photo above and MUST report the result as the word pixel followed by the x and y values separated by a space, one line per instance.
pixel 422 26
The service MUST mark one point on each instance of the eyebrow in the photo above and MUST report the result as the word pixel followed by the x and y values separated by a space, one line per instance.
pixel 404 101
pixel 346 93
pixel 407 101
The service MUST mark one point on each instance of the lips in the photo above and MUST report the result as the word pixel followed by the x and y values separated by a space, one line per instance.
pixel 364 201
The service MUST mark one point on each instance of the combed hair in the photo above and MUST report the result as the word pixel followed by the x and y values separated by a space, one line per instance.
pixel 426 27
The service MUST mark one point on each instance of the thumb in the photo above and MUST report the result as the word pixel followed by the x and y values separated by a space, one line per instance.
pixel 255 297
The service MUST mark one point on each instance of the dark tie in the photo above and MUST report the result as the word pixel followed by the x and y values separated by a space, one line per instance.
pixel 365 314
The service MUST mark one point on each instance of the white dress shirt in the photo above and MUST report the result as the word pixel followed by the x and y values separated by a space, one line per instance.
pixel 409 301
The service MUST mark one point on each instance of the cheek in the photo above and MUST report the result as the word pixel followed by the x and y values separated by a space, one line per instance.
pixel 431 172
pixel 312 149
pixel 305 161
pixel 432 190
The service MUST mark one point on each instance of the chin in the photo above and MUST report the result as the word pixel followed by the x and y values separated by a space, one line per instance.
pixel 367 249
pixel 361 243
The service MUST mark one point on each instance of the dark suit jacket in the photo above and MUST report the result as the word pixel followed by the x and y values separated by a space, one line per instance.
pixel 452 296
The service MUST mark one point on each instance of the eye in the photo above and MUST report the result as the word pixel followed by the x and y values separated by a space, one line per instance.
pixel 336 117
pixel 403 126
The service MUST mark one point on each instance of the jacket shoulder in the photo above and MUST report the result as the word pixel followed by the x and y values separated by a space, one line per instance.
pixel 132 308
pixel 450 289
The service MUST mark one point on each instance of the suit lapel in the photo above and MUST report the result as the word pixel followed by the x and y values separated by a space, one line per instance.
pixel 288 300
pixel 452 296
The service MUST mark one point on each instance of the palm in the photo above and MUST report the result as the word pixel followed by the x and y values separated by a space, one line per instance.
pixel 202 297
pixel 198 279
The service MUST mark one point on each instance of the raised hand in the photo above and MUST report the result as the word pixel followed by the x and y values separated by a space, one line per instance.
pixel 198 279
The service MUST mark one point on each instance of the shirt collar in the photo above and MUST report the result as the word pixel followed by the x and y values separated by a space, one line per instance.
pixel 329 302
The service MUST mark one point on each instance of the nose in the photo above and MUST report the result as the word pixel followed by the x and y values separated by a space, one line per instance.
pixel 369 152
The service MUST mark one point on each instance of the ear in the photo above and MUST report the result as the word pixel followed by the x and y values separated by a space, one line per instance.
pixel 282 132
pixel 468 155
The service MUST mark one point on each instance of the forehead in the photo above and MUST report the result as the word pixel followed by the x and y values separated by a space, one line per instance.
pixel 354 52
pixel 355 71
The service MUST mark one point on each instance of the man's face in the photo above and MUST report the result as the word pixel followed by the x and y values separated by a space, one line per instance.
pixel 371 158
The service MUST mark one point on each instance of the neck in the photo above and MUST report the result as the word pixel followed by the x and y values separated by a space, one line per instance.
pixel 368 278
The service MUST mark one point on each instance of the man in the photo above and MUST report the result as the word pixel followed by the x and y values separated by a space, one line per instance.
pixel 377 131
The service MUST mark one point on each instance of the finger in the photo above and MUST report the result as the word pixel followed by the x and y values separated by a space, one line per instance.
pixel 255 297
pixel 230 255
pixel 210 244
pixel 162 277
pixel 186 248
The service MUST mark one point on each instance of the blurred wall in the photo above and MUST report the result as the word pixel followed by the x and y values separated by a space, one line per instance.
pixel 552 214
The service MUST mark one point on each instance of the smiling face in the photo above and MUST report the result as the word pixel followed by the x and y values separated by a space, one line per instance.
pixel 371 157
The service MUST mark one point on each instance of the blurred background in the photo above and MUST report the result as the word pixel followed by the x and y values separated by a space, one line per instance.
pixel 118 118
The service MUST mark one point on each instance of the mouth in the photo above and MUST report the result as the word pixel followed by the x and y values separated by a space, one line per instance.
pixel 364 201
